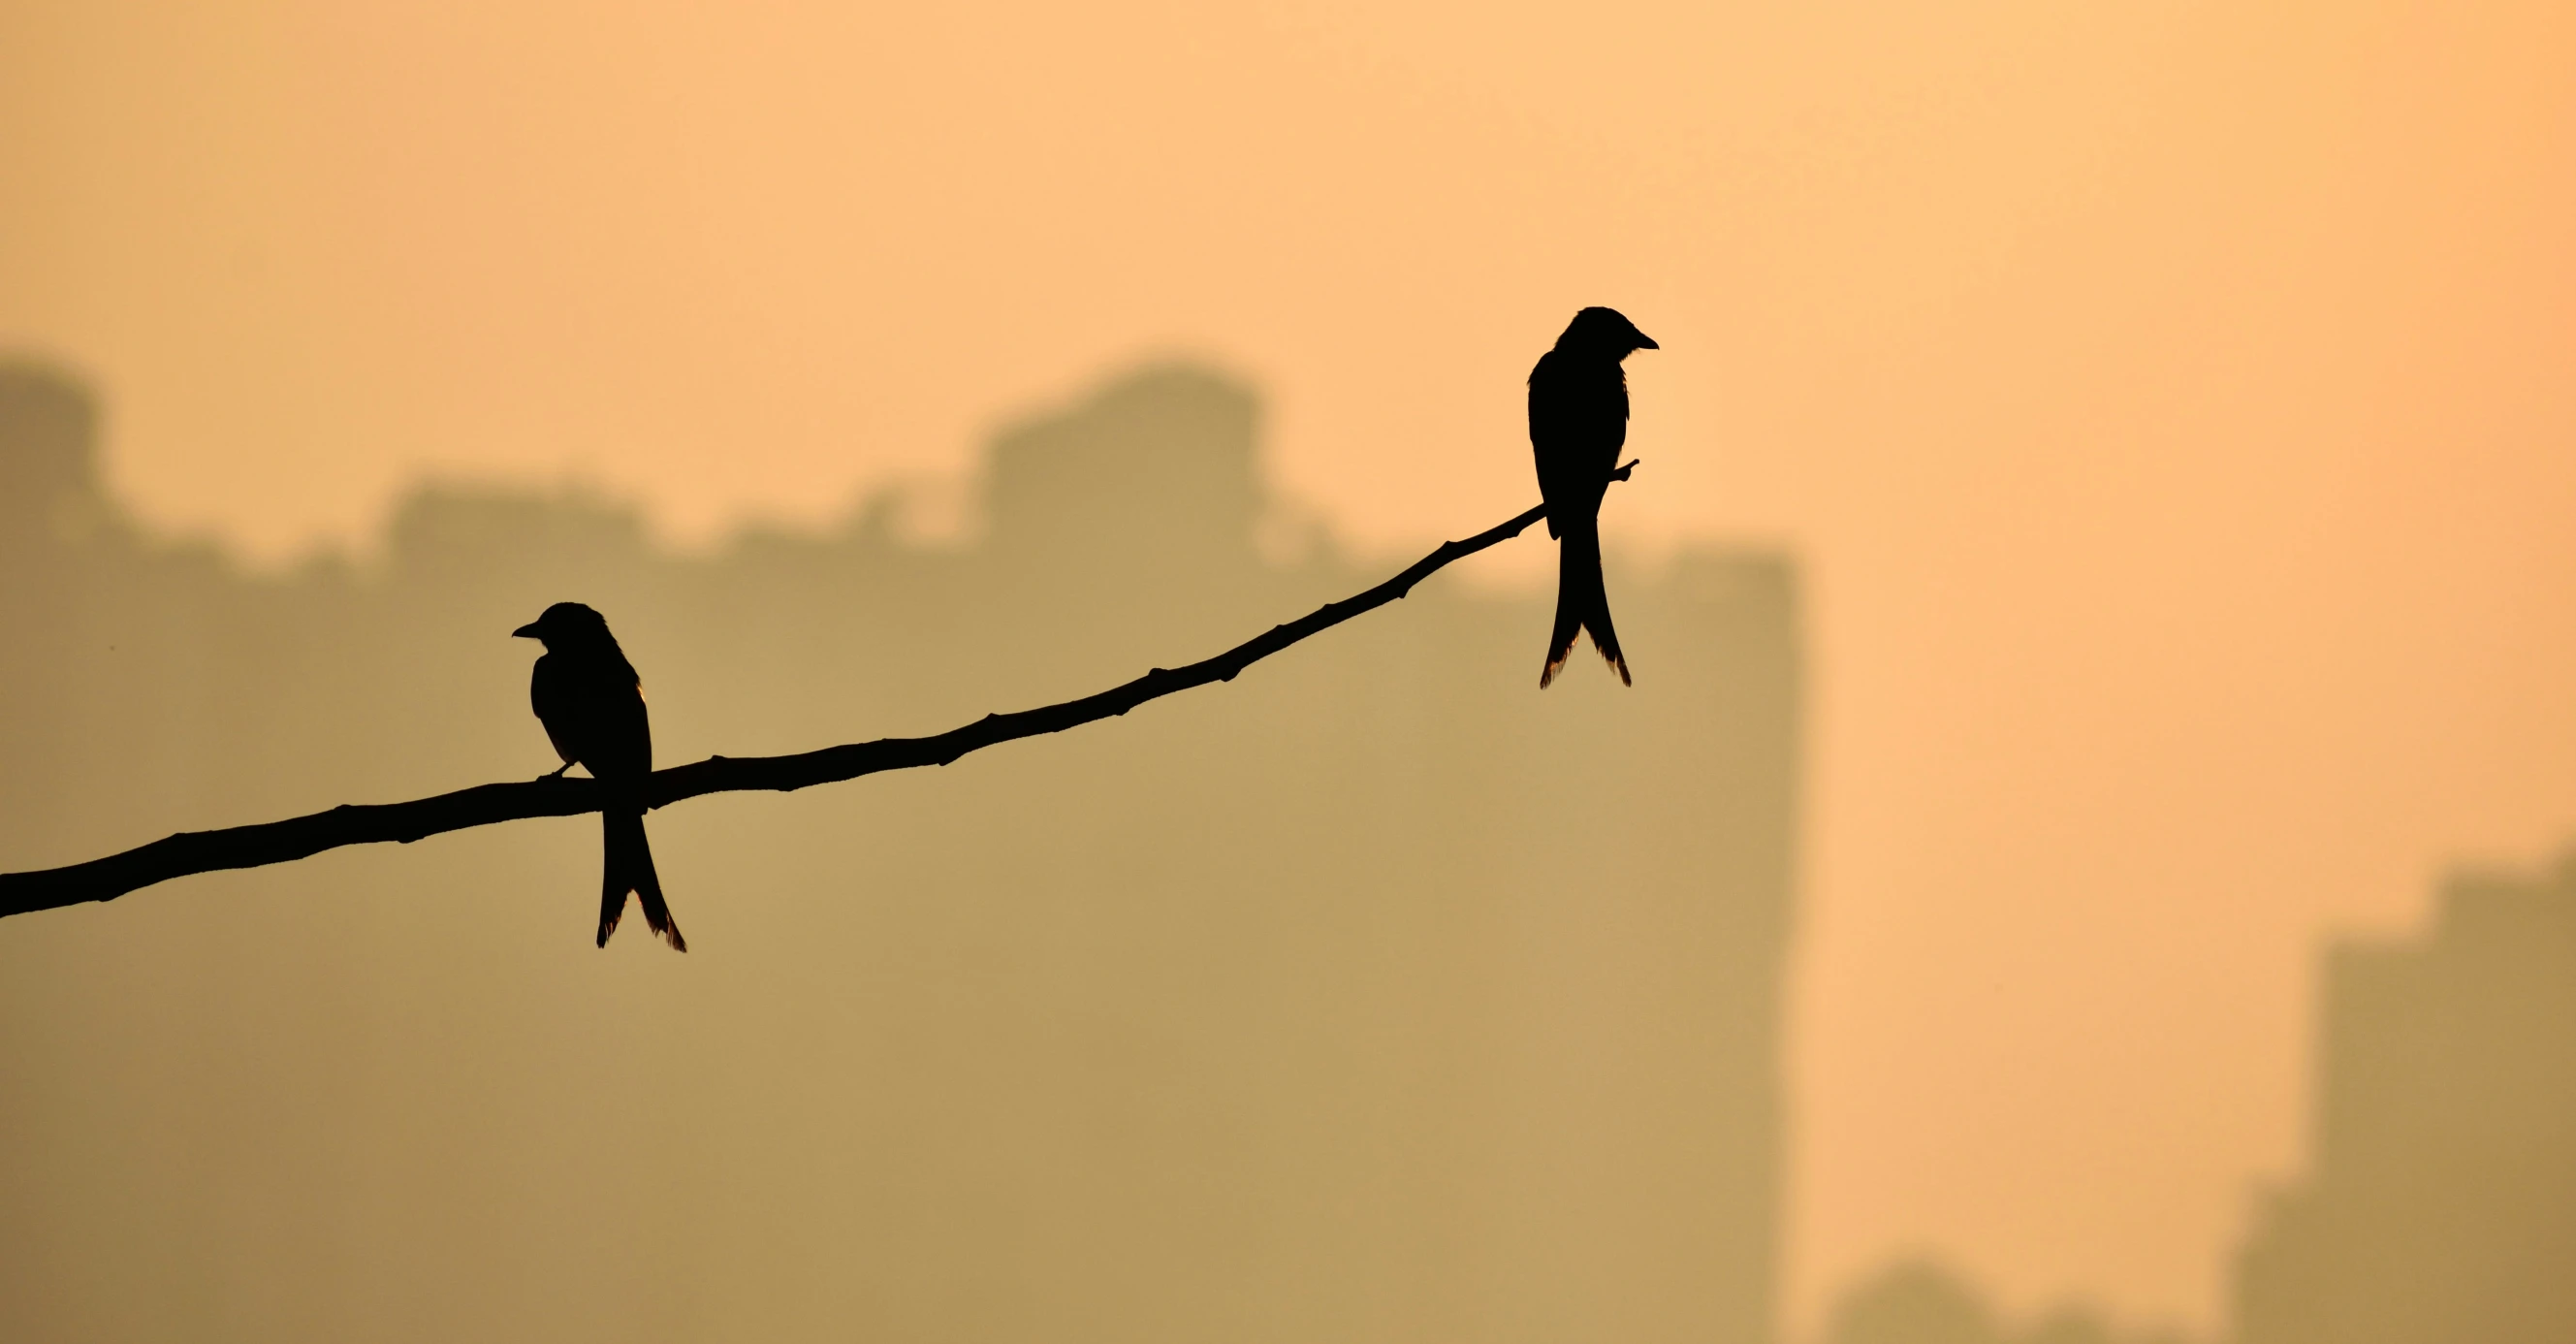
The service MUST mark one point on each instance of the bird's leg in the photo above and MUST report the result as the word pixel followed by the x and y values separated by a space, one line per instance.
pixel 557 772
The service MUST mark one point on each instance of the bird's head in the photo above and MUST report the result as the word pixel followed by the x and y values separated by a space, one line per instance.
pixel 566 625
pixel 1603 332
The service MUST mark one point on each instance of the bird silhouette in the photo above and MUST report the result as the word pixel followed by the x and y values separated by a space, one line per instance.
pixel 1578 419
pixel 592 704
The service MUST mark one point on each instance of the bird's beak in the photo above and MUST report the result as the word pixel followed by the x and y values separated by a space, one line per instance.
pixel 1646 342
pixel 528 631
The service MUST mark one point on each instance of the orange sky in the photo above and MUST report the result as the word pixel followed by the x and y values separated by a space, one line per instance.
pixel 2174 408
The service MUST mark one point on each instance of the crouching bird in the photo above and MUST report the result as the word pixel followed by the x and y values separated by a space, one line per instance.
pixel 1578 419
pixel 592 704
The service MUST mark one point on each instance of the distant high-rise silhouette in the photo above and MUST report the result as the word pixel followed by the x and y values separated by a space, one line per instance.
pixel 2440 1200
pixel 592 705
pixel 1578 419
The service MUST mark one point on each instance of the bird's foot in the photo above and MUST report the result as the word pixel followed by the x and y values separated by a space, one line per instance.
pixel 557 773
pixel 1622 473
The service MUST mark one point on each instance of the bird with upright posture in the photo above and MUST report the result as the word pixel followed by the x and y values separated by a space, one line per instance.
pixel 592 704
pixel 1578 420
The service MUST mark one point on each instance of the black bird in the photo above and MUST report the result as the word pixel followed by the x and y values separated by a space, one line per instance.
pixel 592 704
pixel 1578 419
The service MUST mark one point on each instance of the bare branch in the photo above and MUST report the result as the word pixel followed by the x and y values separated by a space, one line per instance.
pixel 557 796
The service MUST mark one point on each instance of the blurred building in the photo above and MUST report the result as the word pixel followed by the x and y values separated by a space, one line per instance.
pixel 1921 1302
pixel 1372 996
pixel 2442 1202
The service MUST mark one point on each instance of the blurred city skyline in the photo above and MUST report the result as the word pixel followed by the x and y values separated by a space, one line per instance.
pixel 2166 409
pixel 1541 1086
pixel 1362 997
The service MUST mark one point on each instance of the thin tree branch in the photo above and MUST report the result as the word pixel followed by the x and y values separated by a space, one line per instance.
pixel 559 796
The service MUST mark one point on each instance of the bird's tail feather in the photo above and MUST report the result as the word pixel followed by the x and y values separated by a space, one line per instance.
pixel 628 866
pixel 1582 604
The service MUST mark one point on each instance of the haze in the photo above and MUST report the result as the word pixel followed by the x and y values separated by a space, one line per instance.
pixel 2169 409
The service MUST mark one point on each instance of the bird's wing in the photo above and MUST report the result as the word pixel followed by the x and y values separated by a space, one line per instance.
pixel 1578 420
pixel 621 737
pixel 551 695
pixel 627 733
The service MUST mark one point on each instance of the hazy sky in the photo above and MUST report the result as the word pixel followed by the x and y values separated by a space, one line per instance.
pixel 2173 407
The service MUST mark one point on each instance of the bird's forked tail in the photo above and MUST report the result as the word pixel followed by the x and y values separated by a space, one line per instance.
pixel 1582 603
pixel 627 865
